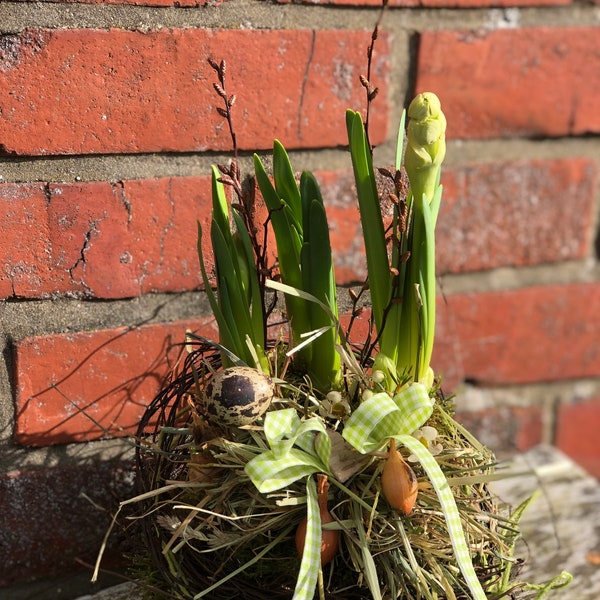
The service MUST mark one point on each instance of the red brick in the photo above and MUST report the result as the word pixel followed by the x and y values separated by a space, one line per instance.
pixel 577 427
pixel 48 519
pixel 339 196
pixel 121 240
pixel 514 82
pixel 24 239
pixel 493 215
pixel 115 91
pixel 431 3
pixel 505 428
pixel 446 360
pixel 103 240
pixel 87 385
pixel 529 335
pixel 173 3
pixel 516 214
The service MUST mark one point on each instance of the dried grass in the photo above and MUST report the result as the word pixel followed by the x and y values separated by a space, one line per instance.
pixel 208 533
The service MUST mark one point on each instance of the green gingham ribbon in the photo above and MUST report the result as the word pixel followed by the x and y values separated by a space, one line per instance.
pixel 311 555
pixel 382 417
pixel 450 510
pixel 296 450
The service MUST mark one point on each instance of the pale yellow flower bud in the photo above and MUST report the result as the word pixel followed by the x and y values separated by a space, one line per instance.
pixel 426 146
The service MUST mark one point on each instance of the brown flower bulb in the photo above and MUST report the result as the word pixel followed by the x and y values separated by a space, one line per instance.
pixel 330 538
pixel 398 481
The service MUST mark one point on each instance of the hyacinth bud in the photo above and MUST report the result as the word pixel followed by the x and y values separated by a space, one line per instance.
pixel 426 146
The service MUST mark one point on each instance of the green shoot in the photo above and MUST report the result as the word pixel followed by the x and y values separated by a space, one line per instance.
pixel 237 306
pixel 299 223
pixel 402 280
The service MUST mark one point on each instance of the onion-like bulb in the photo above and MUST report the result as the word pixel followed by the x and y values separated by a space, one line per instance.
pixel 330 538
pixel 398 481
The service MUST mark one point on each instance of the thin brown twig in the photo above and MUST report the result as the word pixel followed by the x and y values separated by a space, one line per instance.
pixel 228 100
pixel 371 91
pixel 245 192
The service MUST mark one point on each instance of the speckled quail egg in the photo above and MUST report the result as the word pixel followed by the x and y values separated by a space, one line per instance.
pixel 238 396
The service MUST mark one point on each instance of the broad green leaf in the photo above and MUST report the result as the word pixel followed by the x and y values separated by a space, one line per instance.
pixel 287 236
pixel 370 213
pixel 435 204
pixel 429 286
pixel 319 280
pixel 220 210
pixel 228 275
pixel 246 257
pixel 285 181
pixel 226 334
pixel 289 243
pixel 237 306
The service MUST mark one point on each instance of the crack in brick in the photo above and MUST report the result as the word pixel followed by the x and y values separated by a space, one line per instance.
pixel 81 261
pixel 48 193
pixel 311 53
pixel 119 190
pixel 11 279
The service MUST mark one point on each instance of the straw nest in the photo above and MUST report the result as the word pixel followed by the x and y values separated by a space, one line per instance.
pixel 209 533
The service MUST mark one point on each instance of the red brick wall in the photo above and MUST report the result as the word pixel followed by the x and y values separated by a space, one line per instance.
pixel 107 132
